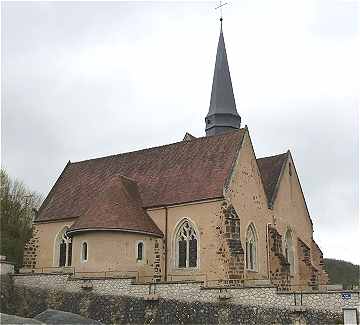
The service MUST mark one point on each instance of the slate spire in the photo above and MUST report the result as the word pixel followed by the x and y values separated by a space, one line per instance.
pixel 222 116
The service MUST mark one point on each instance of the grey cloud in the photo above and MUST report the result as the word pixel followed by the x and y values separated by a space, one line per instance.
pixel 88 79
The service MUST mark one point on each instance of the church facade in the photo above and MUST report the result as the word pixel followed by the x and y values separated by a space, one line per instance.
pixel 200 209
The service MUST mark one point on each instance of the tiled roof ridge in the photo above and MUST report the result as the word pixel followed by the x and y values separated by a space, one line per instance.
pixel 274 156
pixel 212 155
pixel 158 147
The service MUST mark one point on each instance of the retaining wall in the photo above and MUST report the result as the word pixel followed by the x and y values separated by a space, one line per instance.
pixel 121 301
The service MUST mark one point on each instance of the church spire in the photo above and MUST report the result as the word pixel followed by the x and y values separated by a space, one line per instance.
pixel 222 116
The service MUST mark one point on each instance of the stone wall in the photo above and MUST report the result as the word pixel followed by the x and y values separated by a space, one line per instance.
pixel 279 267
pixel 158 250
pixel 230 250
pixel 7 294
pixel 308 273
pixel 6 267
pixel 121 301
pixel 112 309
pixel 31 249
pixel 318 260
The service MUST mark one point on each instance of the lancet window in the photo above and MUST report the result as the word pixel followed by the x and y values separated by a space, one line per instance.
pixel 63 249
pixel 140 251
pixel 186 246
pixel 84 252
pixel 251 243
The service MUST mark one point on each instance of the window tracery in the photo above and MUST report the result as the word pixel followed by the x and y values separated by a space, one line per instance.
pixel 63 249
pixel 186 246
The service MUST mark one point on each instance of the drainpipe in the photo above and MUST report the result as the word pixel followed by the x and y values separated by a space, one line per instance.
pixel 166 242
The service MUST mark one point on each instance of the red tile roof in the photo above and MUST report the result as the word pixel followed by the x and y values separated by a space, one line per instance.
pixel 117 206
pixel 181 172
pixel 270 170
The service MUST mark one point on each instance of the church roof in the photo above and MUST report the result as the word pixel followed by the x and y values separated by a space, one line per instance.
pixel 181 172
pixel 270 170
pixel 117 206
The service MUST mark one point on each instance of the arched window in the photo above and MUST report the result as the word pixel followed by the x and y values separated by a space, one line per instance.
pixel 140 251
pixel 186 241
pixel 251 259
pixel 289 250
pixel 63 249
pixel 84 252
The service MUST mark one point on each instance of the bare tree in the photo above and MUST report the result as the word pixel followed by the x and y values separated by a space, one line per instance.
pixel 18 206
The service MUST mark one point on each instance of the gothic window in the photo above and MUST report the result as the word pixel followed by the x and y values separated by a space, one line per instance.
pixel 251 258
pixel 140 251
pixel 63 249
pixel 289 250
pixel 186 246
pixel 84 252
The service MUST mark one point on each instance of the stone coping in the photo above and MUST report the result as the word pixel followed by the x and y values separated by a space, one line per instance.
pixel 169 282
pixel 77 278
pixel 41 274
pixel 318 292
pixel 237 287
pixel 6 262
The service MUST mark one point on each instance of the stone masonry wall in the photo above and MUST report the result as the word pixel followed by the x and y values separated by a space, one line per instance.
pixel 186 291
pixel 318 260
pixel 30 250
pixel 119 301
pixel 157 260
pixel 279 267
pixel 309 275
pixel 230 249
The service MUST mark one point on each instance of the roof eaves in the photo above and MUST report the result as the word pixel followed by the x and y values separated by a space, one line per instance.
pixel 73 231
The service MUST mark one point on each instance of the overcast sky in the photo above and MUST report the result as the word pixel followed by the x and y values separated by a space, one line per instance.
pixel 89 79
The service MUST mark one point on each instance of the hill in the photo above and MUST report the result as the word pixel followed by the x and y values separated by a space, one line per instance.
pixel 342 272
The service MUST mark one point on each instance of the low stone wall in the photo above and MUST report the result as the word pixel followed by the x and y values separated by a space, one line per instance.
pixel 6 267
pixel 121 301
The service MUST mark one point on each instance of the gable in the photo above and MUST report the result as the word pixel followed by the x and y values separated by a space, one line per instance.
pixel 245 184
pixel 182 172
pixel 290 201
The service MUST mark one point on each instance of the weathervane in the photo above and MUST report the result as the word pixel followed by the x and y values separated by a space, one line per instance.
pixel 220 7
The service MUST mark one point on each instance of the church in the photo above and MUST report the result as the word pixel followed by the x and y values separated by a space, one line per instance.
pixel 201 209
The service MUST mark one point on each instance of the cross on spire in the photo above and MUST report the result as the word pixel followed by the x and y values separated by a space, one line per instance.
pixel 222 116
pixel 220 7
